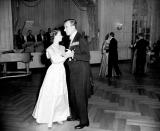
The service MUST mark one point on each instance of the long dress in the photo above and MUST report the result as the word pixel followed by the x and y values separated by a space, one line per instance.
pixel 104 65
pixel 134 62
pixel 52 104
pixel 104 61
pixel 103 72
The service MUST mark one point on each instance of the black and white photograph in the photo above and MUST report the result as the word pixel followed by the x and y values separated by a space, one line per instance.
pixel 79 65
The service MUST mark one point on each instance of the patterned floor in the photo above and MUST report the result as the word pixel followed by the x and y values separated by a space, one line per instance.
pixel 129 103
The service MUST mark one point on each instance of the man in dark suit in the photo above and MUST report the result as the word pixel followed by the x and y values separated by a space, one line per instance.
pixel 20 39
pixel 47 39
pixel 141 47
pixel 113 57
pixel 79 75
pixel 30 37
pixel 40 36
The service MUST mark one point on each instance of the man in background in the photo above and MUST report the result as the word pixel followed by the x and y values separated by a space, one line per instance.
pixel 113 57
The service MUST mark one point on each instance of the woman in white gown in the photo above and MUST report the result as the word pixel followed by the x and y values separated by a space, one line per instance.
pixel 52 104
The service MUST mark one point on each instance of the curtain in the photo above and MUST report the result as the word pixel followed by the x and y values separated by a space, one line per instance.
pixel 6 35
pixel 93 27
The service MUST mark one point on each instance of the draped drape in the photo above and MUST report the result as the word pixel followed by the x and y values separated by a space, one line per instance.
pixel 93 27
pixel 6 35
pixel 141 22
pixel 52 13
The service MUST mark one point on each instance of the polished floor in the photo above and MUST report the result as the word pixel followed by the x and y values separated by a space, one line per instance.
pixel 128 103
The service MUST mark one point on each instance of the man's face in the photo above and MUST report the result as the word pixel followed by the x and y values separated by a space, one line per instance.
pixel 68 28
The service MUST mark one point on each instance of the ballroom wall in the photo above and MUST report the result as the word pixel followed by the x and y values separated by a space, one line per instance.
pixel 6 33
pixel 112 13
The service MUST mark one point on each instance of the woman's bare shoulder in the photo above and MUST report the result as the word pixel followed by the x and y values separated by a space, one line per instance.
pixel 49 48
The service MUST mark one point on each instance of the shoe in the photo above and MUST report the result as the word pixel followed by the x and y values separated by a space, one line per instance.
pixel 49 125
pixel 107 76
pixel 80 126
pixel 72 119
pixel 109 81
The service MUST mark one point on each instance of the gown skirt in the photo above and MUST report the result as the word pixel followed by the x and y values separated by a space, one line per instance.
pixel 104 65
pixel 103 72
pixel 52 104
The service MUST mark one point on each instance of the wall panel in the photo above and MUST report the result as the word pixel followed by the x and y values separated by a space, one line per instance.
pixel 6 37
pixel 112 12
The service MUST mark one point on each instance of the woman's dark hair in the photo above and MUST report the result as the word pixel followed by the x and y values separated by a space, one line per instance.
pixel 107 36
pixel 112 34
pixel 54 33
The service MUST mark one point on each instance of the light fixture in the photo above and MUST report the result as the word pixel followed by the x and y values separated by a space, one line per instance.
pixel 119 26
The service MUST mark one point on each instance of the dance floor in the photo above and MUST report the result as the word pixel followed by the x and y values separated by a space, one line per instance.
pixel 128 103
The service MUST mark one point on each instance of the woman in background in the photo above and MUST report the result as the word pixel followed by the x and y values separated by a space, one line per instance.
pixel 52 105
pixel 134 55
pixel 104 62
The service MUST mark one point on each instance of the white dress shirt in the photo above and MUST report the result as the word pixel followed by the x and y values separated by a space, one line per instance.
pixel 72 36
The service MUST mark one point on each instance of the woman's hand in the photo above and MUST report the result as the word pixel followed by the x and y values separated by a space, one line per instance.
pixel 69 53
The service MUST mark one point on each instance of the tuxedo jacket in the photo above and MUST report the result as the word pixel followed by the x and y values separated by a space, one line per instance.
pixel 113 53
pixel 31 38
pixel 39 37
pixel 80 47
pixel 141 47
pixel 20 41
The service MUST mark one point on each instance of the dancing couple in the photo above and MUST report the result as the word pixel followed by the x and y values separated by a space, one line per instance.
pixel 57 102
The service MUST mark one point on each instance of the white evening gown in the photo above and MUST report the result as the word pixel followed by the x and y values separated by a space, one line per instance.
pixel 52 104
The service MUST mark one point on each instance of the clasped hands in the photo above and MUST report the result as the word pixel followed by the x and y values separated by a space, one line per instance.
pixel 69 53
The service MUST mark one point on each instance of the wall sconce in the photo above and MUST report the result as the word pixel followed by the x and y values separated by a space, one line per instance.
pixel 119 26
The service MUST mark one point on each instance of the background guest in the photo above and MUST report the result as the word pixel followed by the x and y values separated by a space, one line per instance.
pixel 19 40
pixel 47 41
pixel 113 57
pixel 141 48
pixel 134 55
pixel 30 37
pixel 40 36
pixel 104 61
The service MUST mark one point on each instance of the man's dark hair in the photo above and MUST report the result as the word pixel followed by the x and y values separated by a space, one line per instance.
pixel 141 35
pixel 72 21
pixel 107 36
pixel 54 33
pixel 112 34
